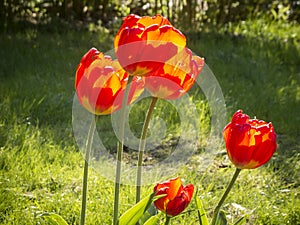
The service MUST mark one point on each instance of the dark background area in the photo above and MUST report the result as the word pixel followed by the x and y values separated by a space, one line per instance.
pixel 188 14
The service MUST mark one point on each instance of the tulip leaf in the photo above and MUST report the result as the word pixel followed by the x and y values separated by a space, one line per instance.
pixel 145 217
pixel 221 219
pixel 152 220
pixel 132 215
pixel 54 219
pixel 151 211
pixel 201 212
pixel 240 221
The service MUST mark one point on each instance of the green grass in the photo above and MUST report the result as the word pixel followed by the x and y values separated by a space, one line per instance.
pixel 41 165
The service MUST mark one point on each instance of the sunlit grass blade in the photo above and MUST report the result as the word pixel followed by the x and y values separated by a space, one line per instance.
pixel 240 221
pixel 201 212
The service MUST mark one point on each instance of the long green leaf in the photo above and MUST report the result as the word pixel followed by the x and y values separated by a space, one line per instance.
pixel 151 211
pixel 132 216
pixel 201 212
pixel 152 221
pixel 54 219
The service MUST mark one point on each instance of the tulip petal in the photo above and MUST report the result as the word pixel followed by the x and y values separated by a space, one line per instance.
pixel 181 201
pixel 174 188
pixel 177 205
pixel 146 21
pixel 161 203
pixel 164 34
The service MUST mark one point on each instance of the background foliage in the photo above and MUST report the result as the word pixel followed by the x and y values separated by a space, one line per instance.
pixel 193 14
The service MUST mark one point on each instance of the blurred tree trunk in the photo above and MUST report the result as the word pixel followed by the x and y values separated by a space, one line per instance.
pixel 2 11
pixel 64 9
pixel 8 9
pixel 106 12
pixel 96 7
pixel 224 8
pixel 169 8
pixel 220 14
pixel 155 7
pixel 2 16
pixel 190 13
pixel 9 12
pixel 78 6
pixel 174 9
pixel 161 7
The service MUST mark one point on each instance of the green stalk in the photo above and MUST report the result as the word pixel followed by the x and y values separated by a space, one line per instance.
pixel 142 146
pixel 167 220
pixel 120 152
pixel 218 207
pixel 85 171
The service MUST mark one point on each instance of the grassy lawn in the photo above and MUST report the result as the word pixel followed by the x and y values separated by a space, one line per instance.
pixel 41 165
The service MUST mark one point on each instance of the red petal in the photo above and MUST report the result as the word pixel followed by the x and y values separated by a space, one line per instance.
pixel 146 21
pixel 175 188
pixel 161 203
pixel 240 118
pixel 182 200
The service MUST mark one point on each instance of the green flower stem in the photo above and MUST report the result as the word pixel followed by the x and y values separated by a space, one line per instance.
pixel 142 148
pixel 120 152
pixel 86 168
pixel 218 207
pixel 167 220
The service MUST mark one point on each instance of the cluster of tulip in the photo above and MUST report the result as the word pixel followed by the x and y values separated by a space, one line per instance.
pixel 148 48
pixel 152 54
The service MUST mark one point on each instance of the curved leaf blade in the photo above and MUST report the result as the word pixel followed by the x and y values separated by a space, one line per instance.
pixel 152 221
pixel 201 212
pixel 132 216
pixel 240 221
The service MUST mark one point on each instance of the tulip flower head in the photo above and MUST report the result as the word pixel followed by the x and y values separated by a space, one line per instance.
pixel 176 77
pixel 144 44
pixel 250 143
pixel 177 196
pixel 100 82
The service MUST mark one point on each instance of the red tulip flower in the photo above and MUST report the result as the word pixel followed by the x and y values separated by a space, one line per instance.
pixel 144 44
pixel 250 143
pixel 177 196
pixel 100 81
pixel 176 77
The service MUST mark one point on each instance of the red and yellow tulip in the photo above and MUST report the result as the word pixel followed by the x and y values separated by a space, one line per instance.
pixel 250 143
pixel 177 196
pixel 100 83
